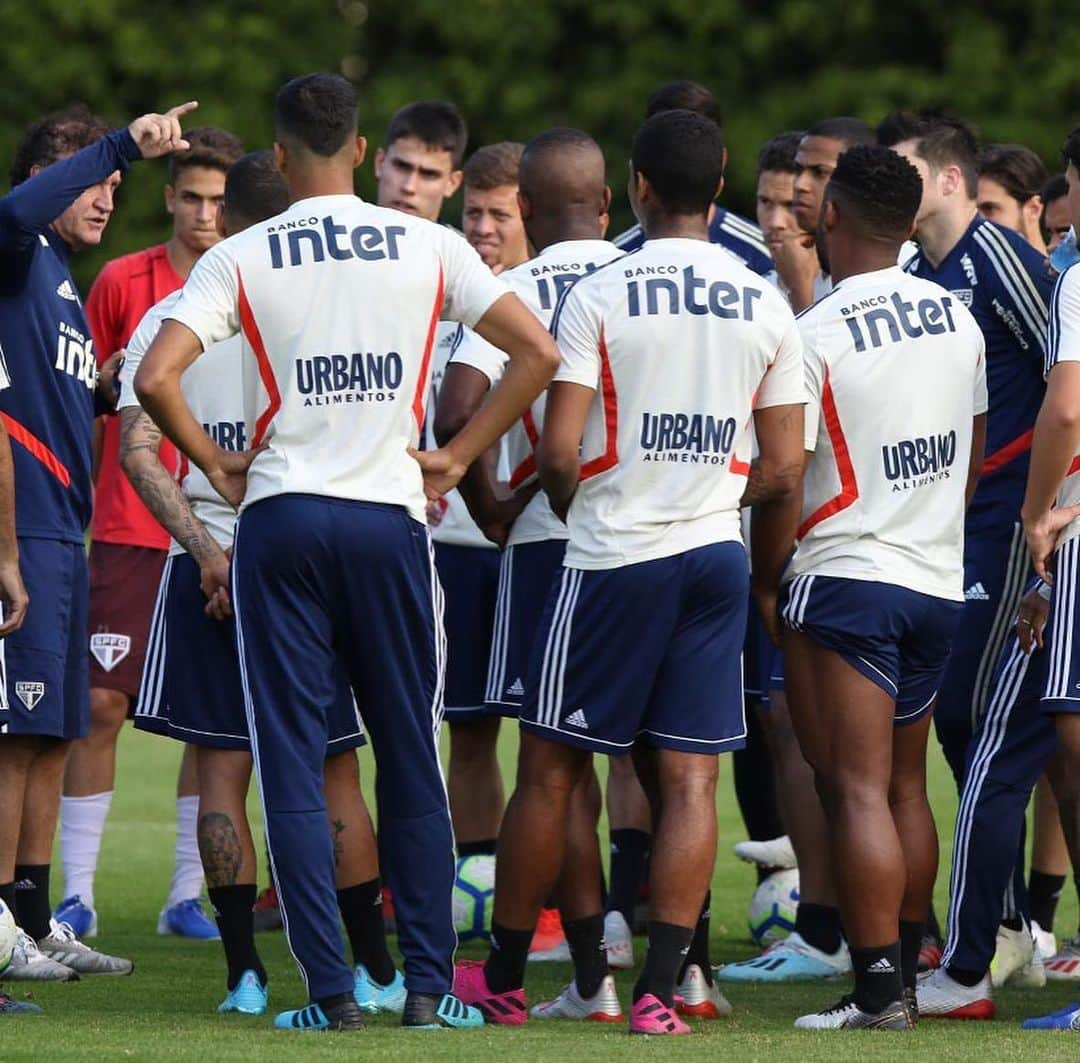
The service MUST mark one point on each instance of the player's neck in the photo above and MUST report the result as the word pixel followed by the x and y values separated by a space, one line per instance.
pixel 543 237
pixel 181 257
pixel 939 234
pixel 861 258
pixel 676 227
pixel 308 183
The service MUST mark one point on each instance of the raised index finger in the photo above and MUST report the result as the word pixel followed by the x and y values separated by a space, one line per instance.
pixel 181 109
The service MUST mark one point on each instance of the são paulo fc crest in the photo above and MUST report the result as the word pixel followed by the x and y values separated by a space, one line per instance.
pixel 30 694
pixel 109 649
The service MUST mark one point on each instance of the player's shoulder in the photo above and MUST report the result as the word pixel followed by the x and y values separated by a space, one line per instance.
pixel 743 238
pixel 1005 254
pixel 631 239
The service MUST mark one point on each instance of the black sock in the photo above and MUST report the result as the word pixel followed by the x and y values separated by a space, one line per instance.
pixel 933 927
pixel 361 912
pixel 963 976
pixel 485 847
pixel 505 966
pixel 7 895
pixel 586 940
pixel 232 911
pixel 911 935
pixel 877 976
pixel 1044 892
pixel 32 908
pixel 1013 922
pixel 699 944
pixel 819 925
pixel 668 946
pixel 629 857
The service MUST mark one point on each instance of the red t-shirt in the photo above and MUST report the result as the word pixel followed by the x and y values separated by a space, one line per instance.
pixel 124 290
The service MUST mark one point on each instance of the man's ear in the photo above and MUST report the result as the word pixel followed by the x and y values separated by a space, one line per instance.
pixel 453 182
pixel 281 157
pixel 170 199
pixel 359 151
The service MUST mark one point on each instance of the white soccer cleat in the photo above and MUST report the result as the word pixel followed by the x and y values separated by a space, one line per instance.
pixel 64 947
pixel 776 852
pixel 1014 961
pixel 941 997
pixel 695 997
pixel 1064 965
pixel 847 1015
pixel 1045 942
pixel 618 941
pixel 602 1006
pixel 30 964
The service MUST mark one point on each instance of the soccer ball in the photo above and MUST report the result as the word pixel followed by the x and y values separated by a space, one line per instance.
pixel 8 934
pixel 772 907
pixel 474 896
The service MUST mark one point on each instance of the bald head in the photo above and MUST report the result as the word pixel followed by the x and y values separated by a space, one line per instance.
pixel 562 187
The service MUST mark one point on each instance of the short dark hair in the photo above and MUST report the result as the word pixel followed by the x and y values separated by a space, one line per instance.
pixel 878 188
pixel 941 139
pixel 1070 150
pixel 316 111
pixel 493 166
pixel 681 154
pixel 255 189
pixel 55 136
pixel 435 123
pixel 1017 169
pixel 1055 187
pixel 778 154
pixel 684 96
pixel 215 149
pixel 848 130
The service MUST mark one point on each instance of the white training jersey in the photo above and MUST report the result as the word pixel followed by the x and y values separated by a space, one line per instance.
pixel 681 344
pixel 1063 345
pixel 337 302
pixel 540 283
pixel 896 373
pixel 214 390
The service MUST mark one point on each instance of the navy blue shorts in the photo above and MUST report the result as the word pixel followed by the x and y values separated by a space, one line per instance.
pixel 763 663
pixel 898 638
pixel 191 688
pixel 1062 635
pixel 46 684
pixel 648 652
pixel 470 580
pixel 526 576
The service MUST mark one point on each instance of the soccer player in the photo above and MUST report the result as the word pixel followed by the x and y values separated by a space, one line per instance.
pixel 874 590
pixel 1055 216
pixel 192 688
pixel 64 177
pixel 1011 178
pixel 734 233
pixel 128 553
pixel 640 641
pixel 490 216
pixel 1051 517
pixel 332 555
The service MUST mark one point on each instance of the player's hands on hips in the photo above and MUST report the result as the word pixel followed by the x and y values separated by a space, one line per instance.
pixel 1042 534
pixel 1031 620
pixel 228 476
pixel 214 583
pixel 160 134
pixel 442 471
pixel 13 597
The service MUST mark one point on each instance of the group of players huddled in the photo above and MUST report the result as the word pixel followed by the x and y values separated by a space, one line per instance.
pixel 792 491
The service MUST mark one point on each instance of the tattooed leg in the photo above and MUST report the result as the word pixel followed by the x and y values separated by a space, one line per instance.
pixel 355 855
pixel 225 842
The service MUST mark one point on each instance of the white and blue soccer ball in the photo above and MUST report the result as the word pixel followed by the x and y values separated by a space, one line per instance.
pixel 773 906
pixel 474 896
pixel 9 933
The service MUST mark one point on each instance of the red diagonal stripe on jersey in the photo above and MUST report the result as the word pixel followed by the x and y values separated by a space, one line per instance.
pixel 425 362
pixel 266 370
pixel 849 488
pixel 528 467
pixel 1074 465
pixel 739 467
pixel 1009 452
pixel 610 458
pixel 21 434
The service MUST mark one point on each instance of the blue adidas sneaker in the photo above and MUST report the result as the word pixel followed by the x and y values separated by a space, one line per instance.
pixel 345 1016
pixel 187 920
pixel 373 998
pixel 425 1011
pixel 78 915
pixel 249 997
pixel 1066 1019
pixel 790 960
pixel 11 1006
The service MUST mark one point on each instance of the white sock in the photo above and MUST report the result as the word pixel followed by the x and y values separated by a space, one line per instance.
pixel 82 822
pixel 187 870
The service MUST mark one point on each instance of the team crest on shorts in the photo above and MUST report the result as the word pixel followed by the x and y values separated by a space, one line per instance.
pixel 29 694
pixel 109 649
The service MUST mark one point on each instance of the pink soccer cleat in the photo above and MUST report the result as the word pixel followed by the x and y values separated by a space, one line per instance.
pixel 651 1015
pixel 470 987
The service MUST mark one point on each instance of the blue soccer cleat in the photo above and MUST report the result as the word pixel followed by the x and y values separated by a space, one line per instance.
pixel 249 997
pixel 1066 1019
pixel 373 998
pixel 790 960
pixel 425 1011
pixel 11 1006
pixel 78 915
pixel 187 920
pixel 345 1016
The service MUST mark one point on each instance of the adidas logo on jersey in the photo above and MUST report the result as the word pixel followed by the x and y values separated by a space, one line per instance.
pixel 577 719
pixel 976 593
pixel 882 966
pixel 517 688
pixel 67 291
pixel 30 694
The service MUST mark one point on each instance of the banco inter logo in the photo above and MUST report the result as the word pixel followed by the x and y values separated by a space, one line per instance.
pixel 669 289
pixel 316 239
pixel 334 379
pixel 922 460
pixel 75 354
pixel 882 319
pixel 693 438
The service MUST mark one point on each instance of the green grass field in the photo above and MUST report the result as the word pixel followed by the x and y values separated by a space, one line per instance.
pixel 166 1010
